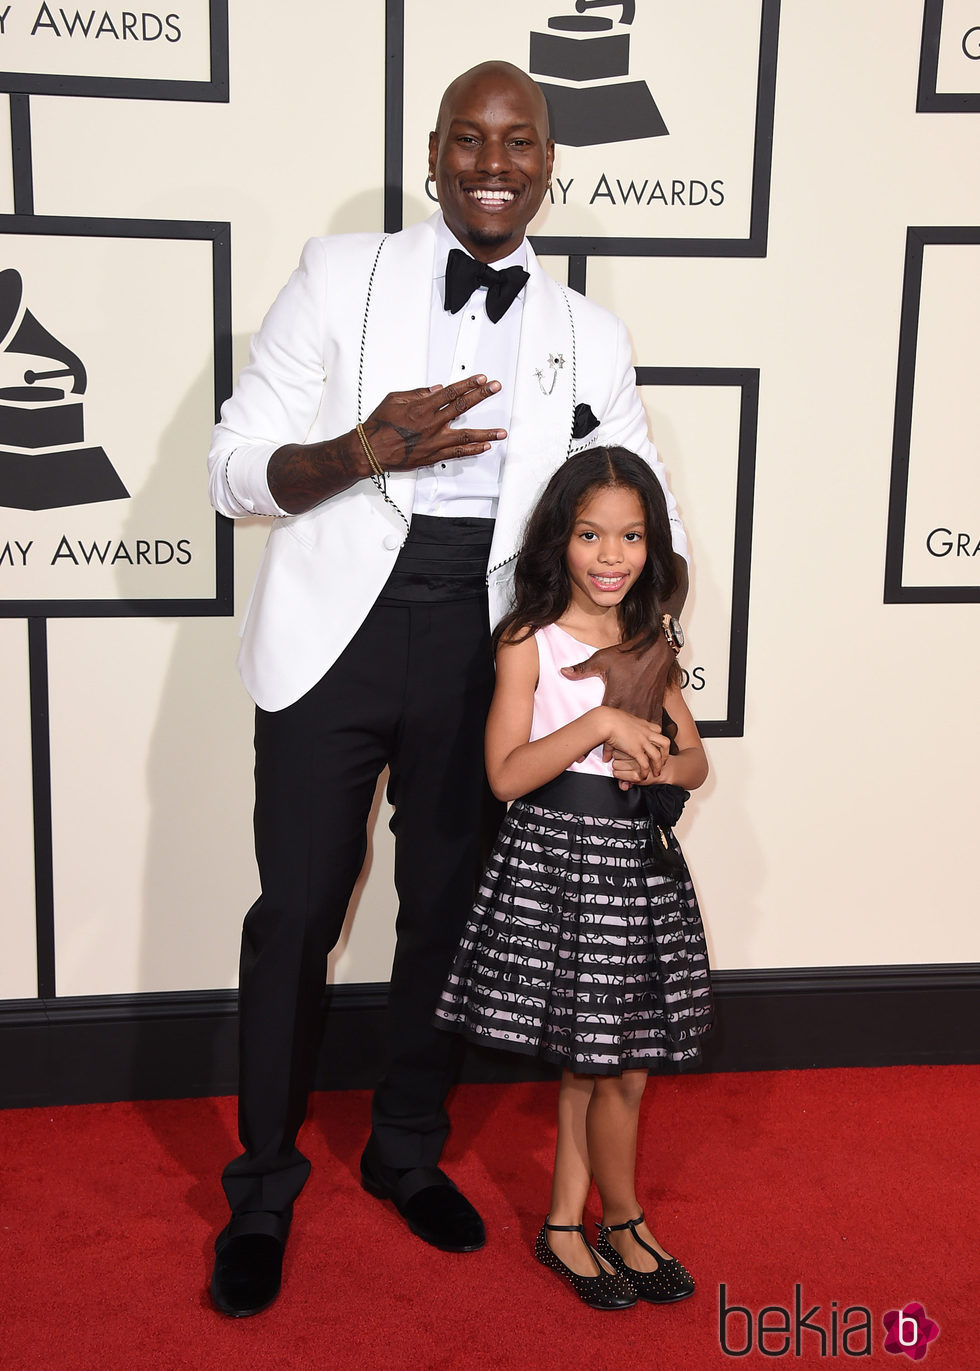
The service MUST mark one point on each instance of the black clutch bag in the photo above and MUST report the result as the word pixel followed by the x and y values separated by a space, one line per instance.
pixel 665 805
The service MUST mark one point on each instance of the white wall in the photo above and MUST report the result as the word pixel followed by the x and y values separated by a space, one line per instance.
pixel 835 832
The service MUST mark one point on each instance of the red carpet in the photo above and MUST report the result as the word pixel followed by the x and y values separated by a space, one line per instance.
pixel 860 1186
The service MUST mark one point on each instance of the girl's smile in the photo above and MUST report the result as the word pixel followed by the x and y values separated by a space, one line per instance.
pixel 608 582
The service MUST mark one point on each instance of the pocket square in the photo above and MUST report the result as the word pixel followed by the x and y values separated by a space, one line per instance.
pixel 584 422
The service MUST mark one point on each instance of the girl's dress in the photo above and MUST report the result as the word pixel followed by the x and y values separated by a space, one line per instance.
pixel 581 949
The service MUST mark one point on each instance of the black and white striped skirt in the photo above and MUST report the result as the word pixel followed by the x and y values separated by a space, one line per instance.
pixel 580 949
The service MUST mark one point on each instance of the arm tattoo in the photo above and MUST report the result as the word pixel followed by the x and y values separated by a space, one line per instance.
pixel 303 475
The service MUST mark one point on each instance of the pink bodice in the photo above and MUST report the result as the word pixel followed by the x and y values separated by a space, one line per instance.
pixel 557 700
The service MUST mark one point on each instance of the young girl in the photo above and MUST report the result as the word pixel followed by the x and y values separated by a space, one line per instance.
pixel 586 946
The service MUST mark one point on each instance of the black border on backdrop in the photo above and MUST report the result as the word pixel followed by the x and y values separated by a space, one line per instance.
pixel 929 100
pixel 896 592
pixel 747 381
pixel 219 235
pixel 755 245
pixel 216 89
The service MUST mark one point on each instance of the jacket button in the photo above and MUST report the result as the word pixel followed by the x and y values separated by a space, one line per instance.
pixel 391 541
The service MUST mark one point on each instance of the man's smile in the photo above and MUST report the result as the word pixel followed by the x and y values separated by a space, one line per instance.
pixel 491 199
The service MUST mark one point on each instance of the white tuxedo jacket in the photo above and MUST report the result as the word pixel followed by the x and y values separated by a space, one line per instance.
pixel 350 325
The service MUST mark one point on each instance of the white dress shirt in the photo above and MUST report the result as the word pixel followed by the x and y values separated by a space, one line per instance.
pixel 466 344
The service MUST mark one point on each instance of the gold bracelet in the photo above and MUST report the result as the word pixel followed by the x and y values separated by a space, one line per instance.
pixel 369 452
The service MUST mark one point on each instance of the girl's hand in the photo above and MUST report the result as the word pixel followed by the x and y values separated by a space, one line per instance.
pixel 687 767
pixel 642 742
pixel 627 772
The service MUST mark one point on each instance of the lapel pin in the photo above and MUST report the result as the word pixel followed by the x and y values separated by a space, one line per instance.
pixel 555 363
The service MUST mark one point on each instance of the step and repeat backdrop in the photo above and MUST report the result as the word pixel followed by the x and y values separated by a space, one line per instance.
pixel 777 198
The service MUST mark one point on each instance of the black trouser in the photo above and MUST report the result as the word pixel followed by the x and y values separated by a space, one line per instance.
pixel 411 691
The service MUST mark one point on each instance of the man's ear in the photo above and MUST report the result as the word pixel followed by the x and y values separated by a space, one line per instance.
pixel 433 150
pixel 551 156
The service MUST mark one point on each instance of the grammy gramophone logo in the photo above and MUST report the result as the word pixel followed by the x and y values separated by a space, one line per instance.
pixel 44 460
pixel 580 64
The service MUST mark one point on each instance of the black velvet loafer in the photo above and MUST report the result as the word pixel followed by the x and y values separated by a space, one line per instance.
pixel 247 1273
pixel 429 1203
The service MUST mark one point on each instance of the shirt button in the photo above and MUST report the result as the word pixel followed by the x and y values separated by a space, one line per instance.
pixel 391 541
pixel 443 465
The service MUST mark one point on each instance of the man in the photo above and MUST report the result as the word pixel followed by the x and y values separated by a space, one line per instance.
pixel 366 642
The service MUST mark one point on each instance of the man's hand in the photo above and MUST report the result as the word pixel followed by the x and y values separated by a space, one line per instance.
pixel 635 681
pixel 409 429
pixel 675 603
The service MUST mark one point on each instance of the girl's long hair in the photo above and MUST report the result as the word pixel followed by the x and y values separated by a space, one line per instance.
pixel 542 588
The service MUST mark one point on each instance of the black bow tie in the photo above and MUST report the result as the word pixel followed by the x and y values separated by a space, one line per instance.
pixel 464 275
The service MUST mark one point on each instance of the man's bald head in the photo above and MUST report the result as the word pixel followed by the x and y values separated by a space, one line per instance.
pixel 495 71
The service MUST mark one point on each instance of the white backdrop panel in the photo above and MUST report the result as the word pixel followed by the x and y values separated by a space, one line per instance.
pixel 959 48
pixel 138 314
pixel 696 430
pixel 18 964
pixel 942 522
pixel 145 44
pixel 689 178
pixel 6 167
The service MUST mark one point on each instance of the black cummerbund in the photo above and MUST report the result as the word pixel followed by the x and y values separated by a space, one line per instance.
pixel 581 792
pixel 442 559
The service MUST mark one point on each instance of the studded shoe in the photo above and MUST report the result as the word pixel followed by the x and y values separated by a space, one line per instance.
pixel 670 1282
pixel 602 1291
